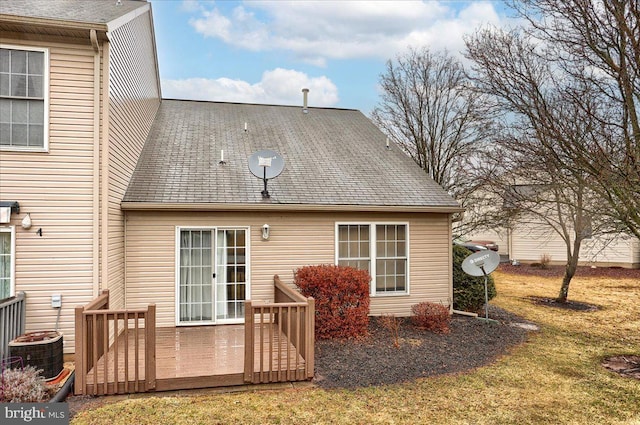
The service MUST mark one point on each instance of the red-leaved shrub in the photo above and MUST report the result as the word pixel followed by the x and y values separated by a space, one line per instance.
pixel 431 316
pixel 342 299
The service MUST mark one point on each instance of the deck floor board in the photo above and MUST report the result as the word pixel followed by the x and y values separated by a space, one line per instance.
pixel 195 351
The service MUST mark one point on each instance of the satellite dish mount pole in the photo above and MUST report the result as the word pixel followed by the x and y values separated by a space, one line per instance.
pixel 486 294
pixel 265 192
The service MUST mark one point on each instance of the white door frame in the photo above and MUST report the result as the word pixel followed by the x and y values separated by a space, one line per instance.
pixel 214 231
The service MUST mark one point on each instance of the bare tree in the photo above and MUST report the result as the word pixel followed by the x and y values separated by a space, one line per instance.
pixel 428 108
pixel 597 43
pixel 543 122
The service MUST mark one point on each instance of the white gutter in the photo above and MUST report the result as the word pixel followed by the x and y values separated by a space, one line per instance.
pixel 158 206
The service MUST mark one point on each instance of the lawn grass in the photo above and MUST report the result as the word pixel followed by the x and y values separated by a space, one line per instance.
pixel 554 378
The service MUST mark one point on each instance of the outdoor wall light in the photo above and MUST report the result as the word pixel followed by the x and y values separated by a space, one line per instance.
pixel 265 232
pixel 26 222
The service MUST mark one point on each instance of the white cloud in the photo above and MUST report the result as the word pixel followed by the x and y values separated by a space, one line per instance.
pixel 315 31
pixel 278 86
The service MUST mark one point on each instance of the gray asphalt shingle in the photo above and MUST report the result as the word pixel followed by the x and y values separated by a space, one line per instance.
pixel 85 11
pixel 332 157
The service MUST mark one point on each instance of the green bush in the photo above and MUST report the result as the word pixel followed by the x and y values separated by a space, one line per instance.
pixel 468 291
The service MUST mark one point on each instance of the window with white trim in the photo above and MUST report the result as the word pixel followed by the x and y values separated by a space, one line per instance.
pixel 7 261
pixel 23 98
pixel 379 248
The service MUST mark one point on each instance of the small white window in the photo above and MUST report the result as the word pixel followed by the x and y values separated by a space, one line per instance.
pixel 7 261
pixel 379 248
pixel 23 98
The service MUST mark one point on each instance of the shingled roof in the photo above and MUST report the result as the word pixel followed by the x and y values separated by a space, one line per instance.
pixel 333 157
pixel 94 11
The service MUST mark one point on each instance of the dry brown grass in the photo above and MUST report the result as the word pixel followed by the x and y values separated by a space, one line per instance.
pixel 555 378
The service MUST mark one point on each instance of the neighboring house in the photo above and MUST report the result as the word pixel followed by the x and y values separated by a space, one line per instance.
pixel 79 90
pixel 530 238
pixel 529 244
pixel 129 193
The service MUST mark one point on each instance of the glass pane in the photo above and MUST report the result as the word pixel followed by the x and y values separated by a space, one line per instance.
pixel 364 249
pixel 241 255
pixel 5 134
pixel 18 85
pixel 196 239
pixel 35 86
pixel 343 233
pixel 19 135
pixel 19 61
pixel 19 111
pixel 36 112
pixel 5 85
pixel 206 239
pixel 184 240
pixel 402 249
pixel 206 257
pixel 36 135
pixel 353 248
pixel 240 238
pixel 36 63
pixel 353 233
pixel 4 60
pixel 402 233
pixel 5 110
pixel 380 248
pixel 5 243
pixel 207 296
pixel 343 249
pixel 207 311
pixel 364 233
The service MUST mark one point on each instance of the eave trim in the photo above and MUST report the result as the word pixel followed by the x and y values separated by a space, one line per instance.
pixel 156 206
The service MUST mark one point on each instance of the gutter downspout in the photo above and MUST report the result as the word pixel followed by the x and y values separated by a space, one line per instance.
pixel 96 162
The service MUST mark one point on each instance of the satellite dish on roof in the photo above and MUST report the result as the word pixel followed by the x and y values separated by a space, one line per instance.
pixel 266 165
pixel 482 263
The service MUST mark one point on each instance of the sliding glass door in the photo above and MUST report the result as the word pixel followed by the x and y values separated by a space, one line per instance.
pixel 212 281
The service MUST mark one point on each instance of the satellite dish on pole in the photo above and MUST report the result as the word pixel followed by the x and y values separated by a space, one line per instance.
pixel 482 263
pixel 266 165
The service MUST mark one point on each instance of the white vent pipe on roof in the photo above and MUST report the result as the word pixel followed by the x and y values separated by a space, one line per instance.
pixel 305 94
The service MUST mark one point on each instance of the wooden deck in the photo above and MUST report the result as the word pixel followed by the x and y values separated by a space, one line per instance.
pixel 197 357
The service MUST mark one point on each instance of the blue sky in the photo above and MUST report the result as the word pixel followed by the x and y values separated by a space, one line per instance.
pixel 267 51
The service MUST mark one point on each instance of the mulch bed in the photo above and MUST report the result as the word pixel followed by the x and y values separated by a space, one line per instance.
pixel 582 271
pixel 567 305
pixel 375 360
pixel 628 365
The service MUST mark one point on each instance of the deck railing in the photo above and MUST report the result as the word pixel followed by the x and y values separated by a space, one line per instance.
pixel 279 337
pixel 101 365
pixel 12 321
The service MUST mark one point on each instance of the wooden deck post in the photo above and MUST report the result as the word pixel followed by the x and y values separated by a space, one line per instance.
pixel 248 342
pixel 310 337
pixel 79 356
pixel 150 347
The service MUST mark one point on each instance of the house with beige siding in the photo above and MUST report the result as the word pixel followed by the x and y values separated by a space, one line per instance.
pixel 74 114
pixel 147 220
pixel 195 211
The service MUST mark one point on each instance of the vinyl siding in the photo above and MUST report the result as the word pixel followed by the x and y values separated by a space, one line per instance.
pixel 133 101
pixel 56 188
pixel 296 240
pixel 529 244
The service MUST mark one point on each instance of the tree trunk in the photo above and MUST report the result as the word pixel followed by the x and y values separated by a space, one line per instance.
pixel 569 272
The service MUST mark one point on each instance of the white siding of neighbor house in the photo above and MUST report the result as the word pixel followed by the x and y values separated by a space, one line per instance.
pixel 134 98
pixel 56 188
pixel 530 244
pixel 296 239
